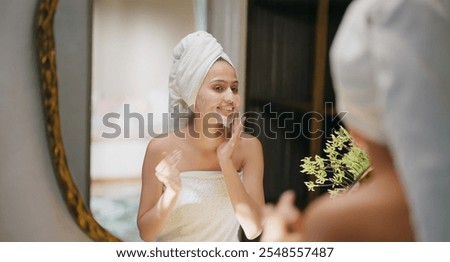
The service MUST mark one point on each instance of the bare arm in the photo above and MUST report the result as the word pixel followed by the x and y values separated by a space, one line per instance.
pixel 157 203
pixel 247 197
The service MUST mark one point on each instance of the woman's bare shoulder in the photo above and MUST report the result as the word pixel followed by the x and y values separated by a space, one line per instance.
pixel 250 142
pixel 162 143
pixel 250 150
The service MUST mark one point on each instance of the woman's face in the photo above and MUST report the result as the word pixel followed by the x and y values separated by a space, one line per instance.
pixel 218 96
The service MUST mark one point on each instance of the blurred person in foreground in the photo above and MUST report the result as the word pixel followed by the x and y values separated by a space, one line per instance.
pixel 390 65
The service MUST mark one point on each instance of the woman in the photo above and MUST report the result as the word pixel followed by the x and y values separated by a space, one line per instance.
pixel 203 180
pixel 389 63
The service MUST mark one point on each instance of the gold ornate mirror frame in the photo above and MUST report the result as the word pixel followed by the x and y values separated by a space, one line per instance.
pixel 49 90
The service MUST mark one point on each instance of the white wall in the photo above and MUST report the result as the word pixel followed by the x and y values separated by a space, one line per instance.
pixel 31 206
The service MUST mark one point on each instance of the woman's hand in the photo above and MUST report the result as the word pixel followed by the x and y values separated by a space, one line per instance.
pixel 282 222
pixel 167 172
pixel 160 189
pixel 225 150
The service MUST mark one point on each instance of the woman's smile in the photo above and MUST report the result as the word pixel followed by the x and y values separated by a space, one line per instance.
pixel 226 110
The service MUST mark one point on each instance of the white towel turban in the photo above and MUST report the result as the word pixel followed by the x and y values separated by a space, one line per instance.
pixel 193 56
pixel 353 73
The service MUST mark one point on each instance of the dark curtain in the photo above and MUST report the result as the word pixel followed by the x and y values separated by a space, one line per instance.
pixel 280 67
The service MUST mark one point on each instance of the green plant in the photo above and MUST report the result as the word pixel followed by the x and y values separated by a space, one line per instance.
pixel 344 164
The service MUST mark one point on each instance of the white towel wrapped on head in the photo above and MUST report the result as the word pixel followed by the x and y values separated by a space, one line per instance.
pixel 193 56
